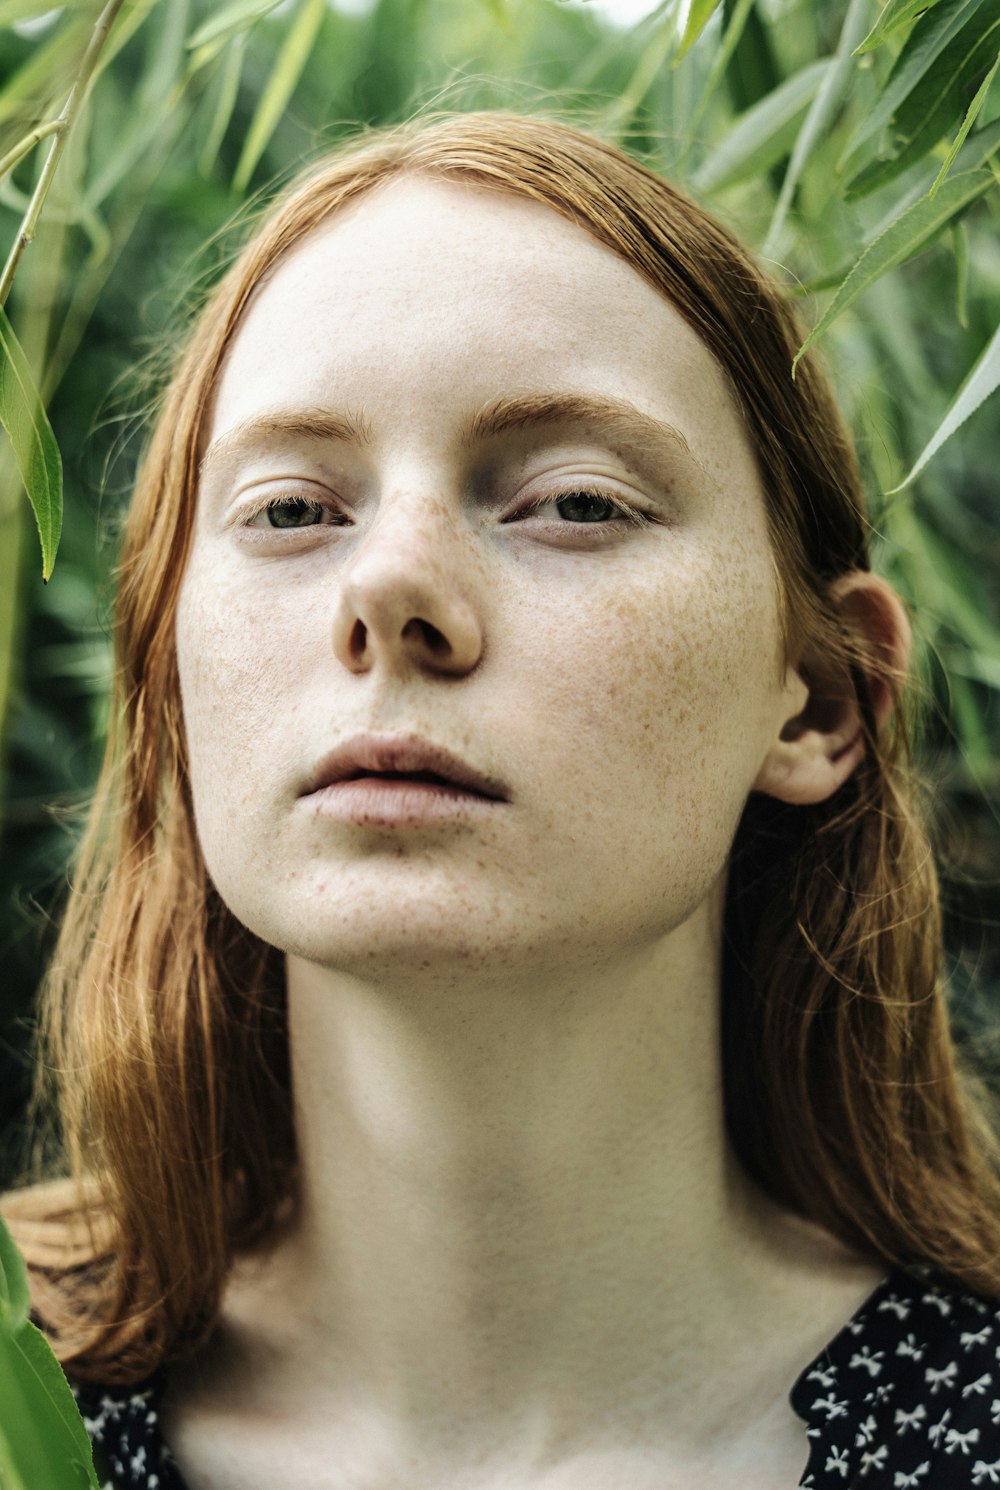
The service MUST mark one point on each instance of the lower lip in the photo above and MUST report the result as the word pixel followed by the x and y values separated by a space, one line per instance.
pixel 377 802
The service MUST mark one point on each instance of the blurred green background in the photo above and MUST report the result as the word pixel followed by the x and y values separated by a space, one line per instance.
pixel 821 156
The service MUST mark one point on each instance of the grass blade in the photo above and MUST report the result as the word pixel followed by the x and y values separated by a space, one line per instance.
pixel 983 380
pixel 33 443
pixel 280 86
pixel 911 231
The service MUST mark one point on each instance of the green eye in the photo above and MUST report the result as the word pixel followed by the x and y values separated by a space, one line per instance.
pixel 294 512
pixel 585 506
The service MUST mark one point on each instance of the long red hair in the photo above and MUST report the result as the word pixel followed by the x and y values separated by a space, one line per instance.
pixel 163 1038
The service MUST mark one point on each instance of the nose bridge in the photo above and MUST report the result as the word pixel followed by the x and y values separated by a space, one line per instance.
pixel 404 596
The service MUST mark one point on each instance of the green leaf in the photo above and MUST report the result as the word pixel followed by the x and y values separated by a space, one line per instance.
pixel 698 17
pixel 32 440
pixel 983 380
pixel 911 231
pixel 730 40
pixel 922 48
pixel 225 103
pixel 14 1296
pixel 43 1442
pixel 971 116
pixel 239 16
pixel 764 133
pixel 498 12
pixel 937 103
pixel 895 15
pixel 280 86
pixel 960 250
pixel 12 11
pixel 822 109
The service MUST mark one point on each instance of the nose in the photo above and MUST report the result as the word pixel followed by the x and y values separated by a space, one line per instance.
pixel 403 602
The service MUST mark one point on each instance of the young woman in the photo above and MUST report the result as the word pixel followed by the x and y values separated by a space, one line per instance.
pixel 498 1011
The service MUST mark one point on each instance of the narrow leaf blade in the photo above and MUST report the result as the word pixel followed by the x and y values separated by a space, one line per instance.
pixel 14 1295
pixel 280 86
pixel 239 16
pixel 749 143
pixel 906 236
pixel 699 15
pixel 43 1441
pixel 35 450
pixel 983 380
pixel 920 51
pixel 894 16
pixel 971 116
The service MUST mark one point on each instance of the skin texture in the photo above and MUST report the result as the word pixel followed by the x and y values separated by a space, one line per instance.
pixel 524 1249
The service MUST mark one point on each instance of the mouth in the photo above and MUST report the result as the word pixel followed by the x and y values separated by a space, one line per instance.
pixel 412 778
pixel 402 761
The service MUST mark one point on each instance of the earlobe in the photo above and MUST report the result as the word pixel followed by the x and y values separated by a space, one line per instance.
pixel 822 742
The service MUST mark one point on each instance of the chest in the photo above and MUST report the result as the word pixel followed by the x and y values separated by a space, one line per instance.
pixel 215 1453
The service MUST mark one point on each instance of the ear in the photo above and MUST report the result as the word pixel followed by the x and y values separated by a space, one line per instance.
pixel 820 744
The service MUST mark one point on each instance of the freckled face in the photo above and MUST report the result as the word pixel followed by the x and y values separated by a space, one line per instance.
pixel 581 604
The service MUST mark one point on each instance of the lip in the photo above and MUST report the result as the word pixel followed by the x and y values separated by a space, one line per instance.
pixel 350 773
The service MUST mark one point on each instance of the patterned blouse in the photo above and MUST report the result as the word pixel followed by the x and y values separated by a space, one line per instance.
pixel 905 1397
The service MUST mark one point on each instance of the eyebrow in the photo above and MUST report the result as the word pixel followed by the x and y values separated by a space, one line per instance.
pixel 617 417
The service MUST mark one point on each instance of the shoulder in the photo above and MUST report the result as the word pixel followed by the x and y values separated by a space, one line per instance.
pixel 124 1428
pixel 908 1394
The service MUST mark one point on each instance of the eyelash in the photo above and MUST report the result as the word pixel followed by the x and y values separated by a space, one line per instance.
pixel 624 511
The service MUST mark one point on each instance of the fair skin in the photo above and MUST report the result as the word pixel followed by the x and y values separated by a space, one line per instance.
pixel 525 1254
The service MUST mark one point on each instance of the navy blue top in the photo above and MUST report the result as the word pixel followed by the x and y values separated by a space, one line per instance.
pixel 906 1395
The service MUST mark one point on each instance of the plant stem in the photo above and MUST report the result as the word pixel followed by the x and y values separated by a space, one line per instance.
pixel 60 128
pixel 39 133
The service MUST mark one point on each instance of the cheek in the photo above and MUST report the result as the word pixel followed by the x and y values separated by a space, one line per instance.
pixel 664 690
pixel 235 665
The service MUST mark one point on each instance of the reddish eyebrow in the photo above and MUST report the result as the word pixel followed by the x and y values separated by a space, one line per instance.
pixel 613 416
pixel 308 424
pixel 616 417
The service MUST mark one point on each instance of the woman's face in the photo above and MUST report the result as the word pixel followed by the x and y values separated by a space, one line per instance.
pixel 451 399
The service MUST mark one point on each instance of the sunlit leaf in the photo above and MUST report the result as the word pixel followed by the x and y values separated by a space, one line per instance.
pixel 239 16
pixel 971 116
pixel 32 440
pixel 983 380
pixel 43 1442
pixel 895 15
pixel 698 17
pixel 906 236
pixel 280 86
pixel 763 133
pixel 12 11
pixel 15 1299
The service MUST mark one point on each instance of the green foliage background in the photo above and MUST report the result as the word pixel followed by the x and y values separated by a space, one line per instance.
pixel 765 109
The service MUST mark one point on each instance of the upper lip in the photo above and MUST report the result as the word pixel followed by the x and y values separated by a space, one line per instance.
pixel 407 755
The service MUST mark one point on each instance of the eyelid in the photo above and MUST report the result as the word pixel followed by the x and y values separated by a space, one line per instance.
pixel 244 513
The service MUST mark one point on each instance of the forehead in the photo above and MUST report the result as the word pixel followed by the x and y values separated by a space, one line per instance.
pixel 426 294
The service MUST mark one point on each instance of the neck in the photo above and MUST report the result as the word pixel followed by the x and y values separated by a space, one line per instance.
pixel 518 1210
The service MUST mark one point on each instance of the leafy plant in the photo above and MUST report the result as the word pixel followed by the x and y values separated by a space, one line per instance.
pixel 856 144
pixel 43 1441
